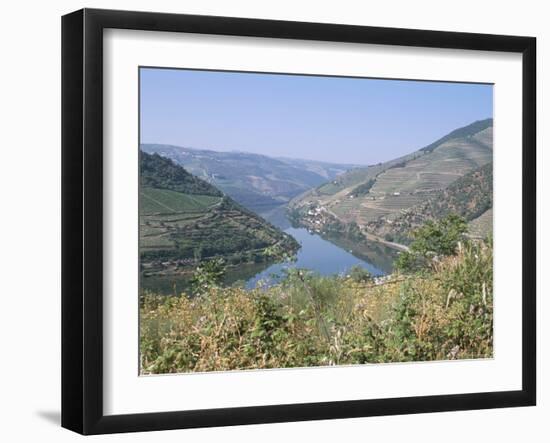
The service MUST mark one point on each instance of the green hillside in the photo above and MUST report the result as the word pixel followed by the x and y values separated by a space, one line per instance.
pixel 258 182
pixel 382 193
pixel 158 201
pixel 159 172
pixel 184 219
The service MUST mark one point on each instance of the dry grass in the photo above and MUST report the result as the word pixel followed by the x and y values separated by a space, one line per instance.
pixel 443 313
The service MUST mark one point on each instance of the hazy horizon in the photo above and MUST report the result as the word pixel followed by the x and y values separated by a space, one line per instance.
pixel 237 151
pixel 329 119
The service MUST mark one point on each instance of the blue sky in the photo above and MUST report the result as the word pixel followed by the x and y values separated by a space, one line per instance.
pixel 346 120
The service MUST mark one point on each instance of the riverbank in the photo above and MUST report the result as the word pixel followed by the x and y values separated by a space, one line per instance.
pixel 325 222
pixel 320 254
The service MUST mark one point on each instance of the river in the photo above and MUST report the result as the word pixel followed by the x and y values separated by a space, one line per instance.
pixel 325 256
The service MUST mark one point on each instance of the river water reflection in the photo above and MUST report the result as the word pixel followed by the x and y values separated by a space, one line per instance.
pixel 324 256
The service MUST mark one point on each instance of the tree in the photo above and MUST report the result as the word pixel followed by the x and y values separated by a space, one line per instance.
pixel 431 240
pixel 439 238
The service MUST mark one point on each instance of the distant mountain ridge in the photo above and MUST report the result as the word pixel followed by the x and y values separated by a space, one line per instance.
pixel 376 198
pixel 256 181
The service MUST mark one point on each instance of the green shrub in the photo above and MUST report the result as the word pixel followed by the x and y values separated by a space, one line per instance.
pixel 443 313
pixel 207 275
pixel 432 240
pixel 359 274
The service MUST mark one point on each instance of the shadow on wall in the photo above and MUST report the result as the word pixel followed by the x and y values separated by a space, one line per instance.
pixel 54 417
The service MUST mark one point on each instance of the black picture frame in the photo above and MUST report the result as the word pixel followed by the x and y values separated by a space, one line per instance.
pixel 82 215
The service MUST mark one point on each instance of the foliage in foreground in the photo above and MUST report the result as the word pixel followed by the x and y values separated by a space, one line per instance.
pixel 431 241
pixel 444 312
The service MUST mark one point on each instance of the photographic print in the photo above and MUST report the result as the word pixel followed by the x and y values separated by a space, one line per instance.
pixel 275 221
pixel 291 221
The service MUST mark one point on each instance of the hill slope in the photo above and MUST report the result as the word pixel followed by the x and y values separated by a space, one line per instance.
pixel 184 219
pixel 381 194
pixel 471 197
pixel 256 181
pixel 159 172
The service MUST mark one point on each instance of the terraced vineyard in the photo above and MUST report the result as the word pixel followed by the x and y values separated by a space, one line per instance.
pixel 385 192
pixel 356 176
pixel 436 170
pixel 163 213
pixel 471 197
pixel 364 210
pixel 220 229
pixel 159 201
pixel 178 228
